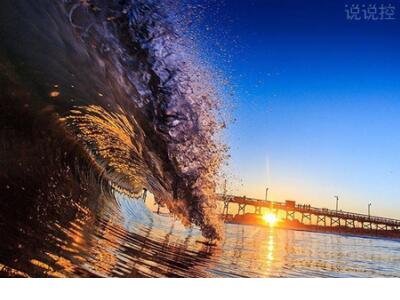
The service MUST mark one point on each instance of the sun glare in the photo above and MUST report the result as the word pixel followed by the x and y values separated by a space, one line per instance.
pixel 270 218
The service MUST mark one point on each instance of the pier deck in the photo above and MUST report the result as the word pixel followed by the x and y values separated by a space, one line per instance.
pixel 306 214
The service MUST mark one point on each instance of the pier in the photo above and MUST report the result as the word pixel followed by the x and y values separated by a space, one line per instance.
pixel 309 216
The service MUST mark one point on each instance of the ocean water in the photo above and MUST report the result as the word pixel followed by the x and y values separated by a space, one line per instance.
pixel 98 95
pixel 101 99
pixel 128 240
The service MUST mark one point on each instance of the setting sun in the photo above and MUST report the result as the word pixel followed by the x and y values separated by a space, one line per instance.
pixel 270 218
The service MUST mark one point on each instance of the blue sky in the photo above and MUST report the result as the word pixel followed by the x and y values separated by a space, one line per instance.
pixel 317 101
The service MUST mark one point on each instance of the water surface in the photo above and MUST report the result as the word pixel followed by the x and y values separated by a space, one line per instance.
pixel 128 240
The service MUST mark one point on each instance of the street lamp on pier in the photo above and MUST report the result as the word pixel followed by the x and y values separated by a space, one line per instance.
pixel 337 203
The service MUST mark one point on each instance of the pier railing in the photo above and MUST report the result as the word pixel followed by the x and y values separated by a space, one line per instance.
pixel 307 210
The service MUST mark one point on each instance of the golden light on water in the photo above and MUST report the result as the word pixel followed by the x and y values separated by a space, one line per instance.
pixel 54 94
pixel 270 218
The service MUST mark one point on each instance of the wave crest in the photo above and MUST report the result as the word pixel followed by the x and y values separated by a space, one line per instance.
pixel 156 124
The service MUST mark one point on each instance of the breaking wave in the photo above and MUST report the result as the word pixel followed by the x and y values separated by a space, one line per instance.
pixel 103 96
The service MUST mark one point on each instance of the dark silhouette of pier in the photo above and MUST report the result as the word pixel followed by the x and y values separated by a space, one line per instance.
pixel 310 216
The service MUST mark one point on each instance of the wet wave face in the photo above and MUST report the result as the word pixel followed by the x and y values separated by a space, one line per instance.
pixel 98 97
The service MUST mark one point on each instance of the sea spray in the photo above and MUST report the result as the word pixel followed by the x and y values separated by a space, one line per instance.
pixel 128 88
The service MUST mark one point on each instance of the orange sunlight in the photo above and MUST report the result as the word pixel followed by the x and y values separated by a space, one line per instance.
pixel 270 218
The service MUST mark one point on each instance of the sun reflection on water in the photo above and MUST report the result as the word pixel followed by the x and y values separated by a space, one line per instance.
pixel 270 249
